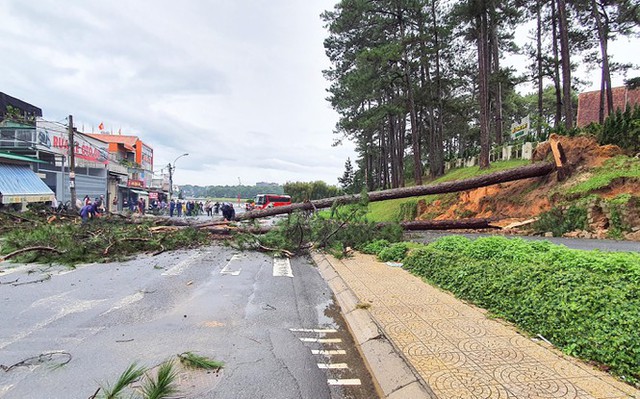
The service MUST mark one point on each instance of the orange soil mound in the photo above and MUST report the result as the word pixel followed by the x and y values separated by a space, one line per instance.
pixel 524 199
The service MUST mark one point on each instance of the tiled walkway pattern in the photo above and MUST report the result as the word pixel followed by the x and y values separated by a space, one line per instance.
pixel 458 351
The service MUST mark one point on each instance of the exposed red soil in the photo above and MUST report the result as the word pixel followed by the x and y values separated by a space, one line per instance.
pixel 525 199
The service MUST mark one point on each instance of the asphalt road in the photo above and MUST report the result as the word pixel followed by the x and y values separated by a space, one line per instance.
pixel 64 333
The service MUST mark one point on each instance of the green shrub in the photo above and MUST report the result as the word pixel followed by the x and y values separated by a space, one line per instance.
pixel 375 247
pixel 622 129
pixel 559 221
pixel 394 253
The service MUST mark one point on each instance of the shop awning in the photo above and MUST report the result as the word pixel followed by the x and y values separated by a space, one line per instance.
pixel 140 192
pixel 18 183
pixel 15 157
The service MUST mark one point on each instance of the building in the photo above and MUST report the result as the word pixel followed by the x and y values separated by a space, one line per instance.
pixel 589 104
pixel 27 111
pixel 137 157
pixel 48 144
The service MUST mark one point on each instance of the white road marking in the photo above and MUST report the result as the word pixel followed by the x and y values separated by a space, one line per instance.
pixel 314 330
pixel 328 352
pixel 66 307
pixel 127 300
pixel 226 269
pixel 282 267
pixel 322 340
pixel 332 366
pixel 180 267
pixel 354 381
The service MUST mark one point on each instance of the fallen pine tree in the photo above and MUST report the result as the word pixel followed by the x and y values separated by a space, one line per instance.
pixel 523 172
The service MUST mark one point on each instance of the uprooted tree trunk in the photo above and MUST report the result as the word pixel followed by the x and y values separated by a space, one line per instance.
pixel 524 172
pixel 448 224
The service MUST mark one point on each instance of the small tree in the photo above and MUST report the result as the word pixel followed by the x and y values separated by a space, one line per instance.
pixel 347 179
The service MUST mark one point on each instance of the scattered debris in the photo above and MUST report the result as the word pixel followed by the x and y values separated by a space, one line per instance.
pixel 55 359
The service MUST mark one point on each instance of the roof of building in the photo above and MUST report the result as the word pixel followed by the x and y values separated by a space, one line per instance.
pixel 19 183
pixel 589 104
pixel 115 138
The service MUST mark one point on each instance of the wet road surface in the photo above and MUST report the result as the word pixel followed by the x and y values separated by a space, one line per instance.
pixel 273 323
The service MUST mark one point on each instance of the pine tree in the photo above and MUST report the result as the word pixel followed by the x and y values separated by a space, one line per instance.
pixel 347 179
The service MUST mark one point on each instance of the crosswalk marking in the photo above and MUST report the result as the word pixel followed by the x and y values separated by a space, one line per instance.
pixel 180 267
pixel 332 365
pixel 314 330
pixel 322 340
pixel 353 381
pixel 282 267
pixel 328 352
pixel 226 269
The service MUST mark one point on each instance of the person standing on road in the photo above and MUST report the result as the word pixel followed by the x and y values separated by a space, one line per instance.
pixel 179 208
pixel 172 207
pixel 216 207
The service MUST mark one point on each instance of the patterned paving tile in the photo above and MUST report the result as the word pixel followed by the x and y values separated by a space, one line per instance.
pixel 460 352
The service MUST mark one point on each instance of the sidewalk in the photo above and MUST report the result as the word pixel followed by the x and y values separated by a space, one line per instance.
pixel 448 349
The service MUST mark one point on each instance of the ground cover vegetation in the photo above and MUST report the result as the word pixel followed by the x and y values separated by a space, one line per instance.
pixel 584 302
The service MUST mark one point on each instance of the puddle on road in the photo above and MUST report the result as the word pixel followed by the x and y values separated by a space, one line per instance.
pixel 330 316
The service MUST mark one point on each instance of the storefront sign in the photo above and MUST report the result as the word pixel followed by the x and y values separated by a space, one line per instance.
pixel 17 199
pixel 135 183
pixel 55 138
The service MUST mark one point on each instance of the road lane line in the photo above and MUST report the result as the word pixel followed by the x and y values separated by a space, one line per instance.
pixel 66 308
pixel 226 269
pixel 180 267
pixel 322 340
pixel 354 381
pixel 328 352
pixel 282 267
pixel 333 366
pixel 314 330
pixel 126 301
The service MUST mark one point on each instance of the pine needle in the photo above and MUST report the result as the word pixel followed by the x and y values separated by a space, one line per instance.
pixel 131 374
pixel 190 359
pixel 164 383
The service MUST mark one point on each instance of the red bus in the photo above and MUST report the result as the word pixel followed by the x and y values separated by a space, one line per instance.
pixel 270 200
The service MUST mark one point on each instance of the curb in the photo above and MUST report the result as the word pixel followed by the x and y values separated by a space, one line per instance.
pixel 392 374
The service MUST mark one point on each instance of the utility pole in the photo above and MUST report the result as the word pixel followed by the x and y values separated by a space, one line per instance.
pixel 72 164
pixel 170 182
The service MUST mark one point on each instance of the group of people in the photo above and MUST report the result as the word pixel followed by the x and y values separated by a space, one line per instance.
pixel 193 208
pixel 89 209
pixel 187 208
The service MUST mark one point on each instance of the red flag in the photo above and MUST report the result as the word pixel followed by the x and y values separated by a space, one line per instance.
pixel 101 126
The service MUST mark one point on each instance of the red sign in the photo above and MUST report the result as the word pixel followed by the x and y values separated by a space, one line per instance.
pixel 135 183
pixel 153 196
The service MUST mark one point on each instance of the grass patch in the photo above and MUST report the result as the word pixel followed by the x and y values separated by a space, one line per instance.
pixel 615 168
pixel 585 302
pixel 390 210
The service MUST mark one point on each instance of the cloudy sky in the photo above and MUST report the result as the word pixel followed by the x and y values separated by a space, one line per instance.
pixel 236 84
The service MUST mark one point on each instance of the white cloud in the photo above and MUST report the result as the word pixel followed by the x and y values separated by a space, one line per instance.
pixel 236 84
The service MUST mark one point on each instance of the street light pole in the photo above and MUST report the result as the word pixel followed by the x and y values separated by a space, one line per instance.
pixel 172 169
